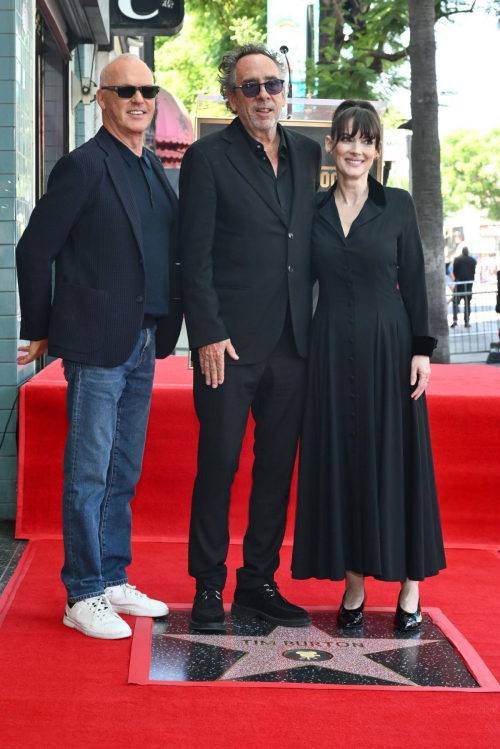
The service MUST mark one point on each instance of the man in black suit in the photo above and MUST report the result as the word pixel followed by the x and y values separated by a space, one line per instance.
pixel 247 201
pixel 109 220
pixel 464 270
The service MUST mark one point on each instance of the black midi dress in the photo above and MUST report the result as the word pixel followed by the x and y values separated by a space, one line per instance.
pixel 367 498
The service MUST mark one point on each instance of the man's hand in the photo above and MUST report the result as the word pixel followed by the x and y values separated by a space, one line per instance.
pixel 34 350
pixel 421 371
pixel 212 361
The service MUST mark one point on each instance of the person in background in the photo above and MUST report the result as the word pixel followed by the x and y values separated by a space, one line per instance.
pixel 109 220
pixel 464 270
pixel 449 280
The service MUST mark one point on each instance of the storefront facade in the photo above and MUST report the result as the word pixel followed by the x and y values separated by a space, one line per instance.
pixel 41 67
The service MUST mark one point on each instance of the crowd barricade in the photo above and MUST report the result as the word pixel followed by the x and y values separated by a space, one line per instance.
pixel 472 316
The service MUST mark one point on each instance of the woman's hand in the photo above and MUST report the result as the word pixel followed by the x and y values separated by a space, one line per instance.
pixel 421 370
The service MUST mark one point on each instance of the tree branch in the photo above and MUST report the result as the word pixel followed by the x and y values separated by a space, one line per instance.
pixel 223 21
pixel 390 57
pixel 357 9
pixel 456 12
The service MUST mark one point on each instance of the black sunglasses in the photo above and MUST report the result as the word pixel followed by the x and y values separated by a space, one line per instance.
pixel 251 90
pixel 127 92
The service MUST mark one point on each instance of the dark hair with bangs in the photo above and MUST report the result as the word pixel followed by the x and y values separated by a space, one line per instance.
pixel 356 116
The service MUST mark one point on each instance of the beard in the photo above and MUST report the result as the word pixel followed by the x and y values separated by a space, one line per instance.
pixel 259 124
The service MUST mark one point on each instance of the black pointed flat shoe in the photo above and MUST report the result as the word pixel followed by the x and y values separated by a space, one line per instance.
pixel 405 621
pixel 350 618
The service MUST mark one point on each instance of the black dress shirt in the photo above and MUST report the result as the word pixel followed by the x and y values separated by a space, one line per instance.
pixel 283 182
pixel 155 211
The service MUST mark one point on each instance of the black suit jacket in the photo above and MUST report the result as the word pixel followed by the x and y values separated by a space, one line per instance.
pixel 241 259
pixel 89 224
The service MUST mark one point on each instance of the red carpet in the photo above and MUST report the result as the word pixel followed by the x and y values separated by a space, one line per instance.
pixel 59 688
pixel 464 408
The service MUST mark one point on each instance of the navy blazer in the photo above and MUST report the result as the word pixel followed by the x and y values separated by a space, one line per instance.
pixel 89 224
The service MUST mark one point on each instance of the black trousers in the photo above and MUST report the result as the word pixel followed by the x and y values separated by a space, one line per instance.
pixel 274 390
pixel 462 291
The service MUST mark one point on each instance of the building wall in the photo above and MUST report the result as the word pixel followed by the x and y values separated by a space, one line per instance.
pixel 63 128
pixel 55 126
pixel 88 117
pixel 17 179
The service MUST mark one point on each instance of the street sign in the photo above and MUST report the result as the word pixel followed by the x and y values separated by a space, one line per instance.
pixel 146 17
pixel 395 145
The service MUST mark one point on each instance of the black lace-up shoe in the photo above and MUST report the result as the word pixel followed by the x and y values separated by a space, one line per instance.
pixel 208 611
pixel 268 603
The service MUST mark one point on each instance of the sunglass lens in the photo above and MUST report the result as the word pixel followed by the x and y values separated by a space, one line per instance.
pixel 149 92
pixel 274 87
pixel 250 90
pixel 125 92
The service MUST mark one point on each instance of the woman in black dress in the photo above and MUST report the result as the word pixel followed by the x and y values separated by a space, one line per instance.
pixel 367 503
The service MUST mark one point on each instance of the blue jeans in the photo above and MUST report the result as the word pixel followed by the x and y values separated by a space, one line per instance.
pixel 108 412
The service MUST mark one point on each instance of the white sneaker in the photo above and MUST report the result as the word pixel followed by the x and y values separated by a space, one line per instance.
pixel 126 599
pixel 95 618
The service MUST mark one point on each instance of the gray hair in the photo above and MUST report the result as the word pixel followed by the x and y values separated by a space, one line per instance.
pixel 227 67
pixel 105 72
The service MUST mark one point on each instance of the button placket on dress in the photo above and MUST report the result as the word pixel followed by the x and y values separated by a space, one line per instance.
pixel 349 317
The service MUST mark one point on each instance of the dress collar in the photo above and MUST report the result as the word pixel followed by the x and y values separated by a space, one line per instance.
pixel 376 193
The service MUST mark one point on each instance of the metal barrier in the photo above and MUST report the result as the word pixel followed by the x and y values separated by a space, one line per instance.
pixel 474 324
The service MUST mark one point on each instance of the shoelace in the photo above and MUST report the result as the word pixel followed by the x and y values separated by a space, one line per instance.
pixel 102 608
pixel 211 593
pixel 270 590
pixel 133 589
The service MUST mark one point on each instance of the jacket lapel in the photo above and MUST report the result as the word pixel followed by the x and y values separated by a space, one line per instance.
pixel 369 211
pixel 114 163
pixel 327 209
pixel 157 166
pixel 160 173
pixel 246 164
pixel 297 175
pixel 373 207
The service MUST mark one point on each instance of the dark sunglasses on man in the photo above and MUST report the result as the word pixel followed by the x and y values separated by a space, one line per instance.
pixel 127 92
pixel 252 89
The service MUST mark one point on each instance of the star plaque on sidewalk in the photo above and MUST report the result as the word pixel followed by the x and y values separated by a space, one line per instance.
pixel 254 651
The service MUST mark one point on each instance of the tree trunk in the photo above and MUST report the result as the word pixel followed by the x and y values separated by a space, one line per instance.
pixel 330 9
pixel 426 165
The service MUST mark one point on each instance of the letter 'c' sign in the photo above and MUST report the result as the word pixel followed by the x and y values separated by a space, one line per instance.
pixel 126 8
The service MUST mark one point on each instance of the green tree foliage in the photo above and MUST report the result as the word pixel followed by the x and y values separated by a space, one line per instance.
pixel 186 65
pixel 361 48
pixel 470 167
pixel 363 45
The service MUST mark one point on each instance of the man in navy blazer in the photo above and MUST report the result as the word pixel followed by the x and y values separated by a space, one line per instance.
pixel 109 220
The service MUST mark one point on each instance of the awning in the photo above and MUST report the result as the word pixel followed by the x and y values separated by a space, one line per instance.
pixel 75 22
pixel 173 130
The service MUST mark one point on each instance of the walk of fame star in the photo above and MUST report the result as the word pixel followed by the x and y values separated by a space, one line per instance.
pixel 272 652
